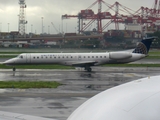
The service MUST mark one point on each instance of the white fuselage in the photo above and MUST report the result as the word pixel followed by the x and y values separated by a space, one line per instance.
pixel 75 59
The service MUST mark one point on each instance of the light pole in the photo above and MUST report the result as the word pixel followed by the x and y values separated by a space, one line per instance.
pixel 66 27
pixel 8 27
pixel 31 28
pixel 43 29
pixel 42 25
pixel 48 29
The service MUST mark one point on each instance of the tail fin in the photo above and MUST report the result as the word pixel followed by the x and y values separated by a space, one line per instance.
pixel 144 46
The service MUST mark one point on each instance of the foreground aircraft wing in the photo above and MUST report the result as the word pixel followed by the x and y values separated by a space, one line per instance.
pixel 16 116
pixel 84 63
pixel 136 100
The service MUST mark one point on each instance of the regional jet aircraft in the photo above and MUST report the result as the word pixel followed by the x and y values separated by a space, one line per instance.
pixel 85 60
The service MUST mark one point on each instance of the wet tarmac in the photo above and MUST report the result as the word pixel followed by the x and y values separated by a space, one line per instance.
pixel 78 86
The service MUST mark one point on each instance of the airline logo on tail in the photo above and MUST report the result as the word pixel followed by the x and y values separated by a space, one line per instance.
pixel 144 46
pixel 141 48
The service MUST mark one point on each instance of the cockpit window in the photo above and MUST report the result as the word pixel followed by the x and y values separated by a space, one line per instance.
pixel 20 56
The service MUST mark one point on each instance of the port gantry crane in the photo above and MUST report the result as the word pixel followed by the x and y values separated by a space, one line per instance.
pixel 143 16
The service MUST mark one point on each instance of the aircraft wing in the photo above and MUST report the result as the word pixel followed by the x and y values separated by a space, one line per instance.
pixel 16 116
pixel 84 63
pixel 136 100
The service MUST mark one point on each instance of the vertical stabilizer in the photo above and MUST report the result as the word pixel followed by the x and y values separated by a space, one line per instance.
pixel 144 46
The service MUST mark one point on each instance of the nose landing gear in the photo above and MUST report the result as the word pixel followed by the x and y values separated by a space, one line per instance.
pixel 14 69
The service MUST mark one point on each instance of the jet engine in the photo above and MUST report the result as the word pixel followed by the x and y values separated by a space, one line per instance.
pixel 119 55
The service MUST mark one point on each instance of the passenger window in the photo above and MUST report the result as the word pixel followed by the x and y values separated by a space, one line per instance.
pixel 33 57
pixel 92 56
pixel 105 57
pixel 88 56
pixel 100 56
pixel 96 56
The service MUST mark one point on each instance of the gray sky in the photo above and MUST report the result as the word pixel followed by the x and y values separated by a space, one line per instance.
pixel 52 10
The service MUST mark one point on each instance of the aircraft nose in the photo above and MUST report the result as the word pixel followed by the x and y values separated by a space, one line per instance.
pixel 9 62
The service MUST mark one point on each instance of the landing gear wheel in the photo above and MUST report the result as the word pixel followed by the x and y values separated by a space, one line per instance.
pixel 14 69
pixel 89 69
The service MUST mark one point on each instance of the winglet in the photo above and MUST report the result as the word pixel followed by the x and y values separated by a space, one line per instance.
pixel 144 46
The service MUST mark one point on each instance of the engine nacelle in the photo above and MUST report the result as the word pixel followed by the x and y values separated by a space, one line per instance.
pixel 119 55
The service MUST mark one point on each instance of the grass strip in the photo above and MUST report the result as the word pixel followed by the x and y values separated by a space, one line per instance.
pixel 8 56
pixel 154 52
pixel 28 84
pixel 36 67
pixel 153 57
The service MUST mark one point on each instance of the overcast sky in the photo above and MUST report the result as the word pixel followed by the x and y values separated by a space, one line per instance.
pixel 52 10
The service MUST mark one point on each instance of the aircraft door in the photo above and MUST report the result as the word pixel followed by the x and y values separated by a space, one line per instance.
pixel 28 58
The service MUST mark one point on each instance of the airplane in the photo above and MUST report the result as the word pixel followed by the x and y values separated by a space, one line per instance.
pixel 135 100
pixel 85 60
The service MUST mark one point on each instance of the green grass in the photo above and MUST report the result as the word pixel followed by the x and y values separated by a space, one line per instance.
pixel 37 67
pixel 28 84
pixel 152 57
pixel 8 56
pixel 154 52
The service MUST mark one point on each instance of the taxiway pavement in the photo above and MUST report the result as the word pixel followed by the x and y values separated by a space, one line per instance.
pixel 78 86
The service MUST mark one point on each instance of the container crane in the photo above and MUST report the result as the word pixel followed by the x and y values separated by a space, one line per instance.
pixel 122 14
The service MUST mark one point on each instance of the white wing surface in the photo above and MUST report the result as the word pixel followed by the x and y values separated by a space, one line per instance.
pixel 137 100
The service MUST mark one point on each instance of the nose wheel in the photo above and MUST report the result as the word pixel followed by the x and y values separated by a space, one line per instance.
pixel 14 69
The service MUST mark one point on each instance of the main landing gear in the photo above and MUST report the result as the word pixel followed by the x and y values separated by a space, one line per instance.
pixel 88 68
